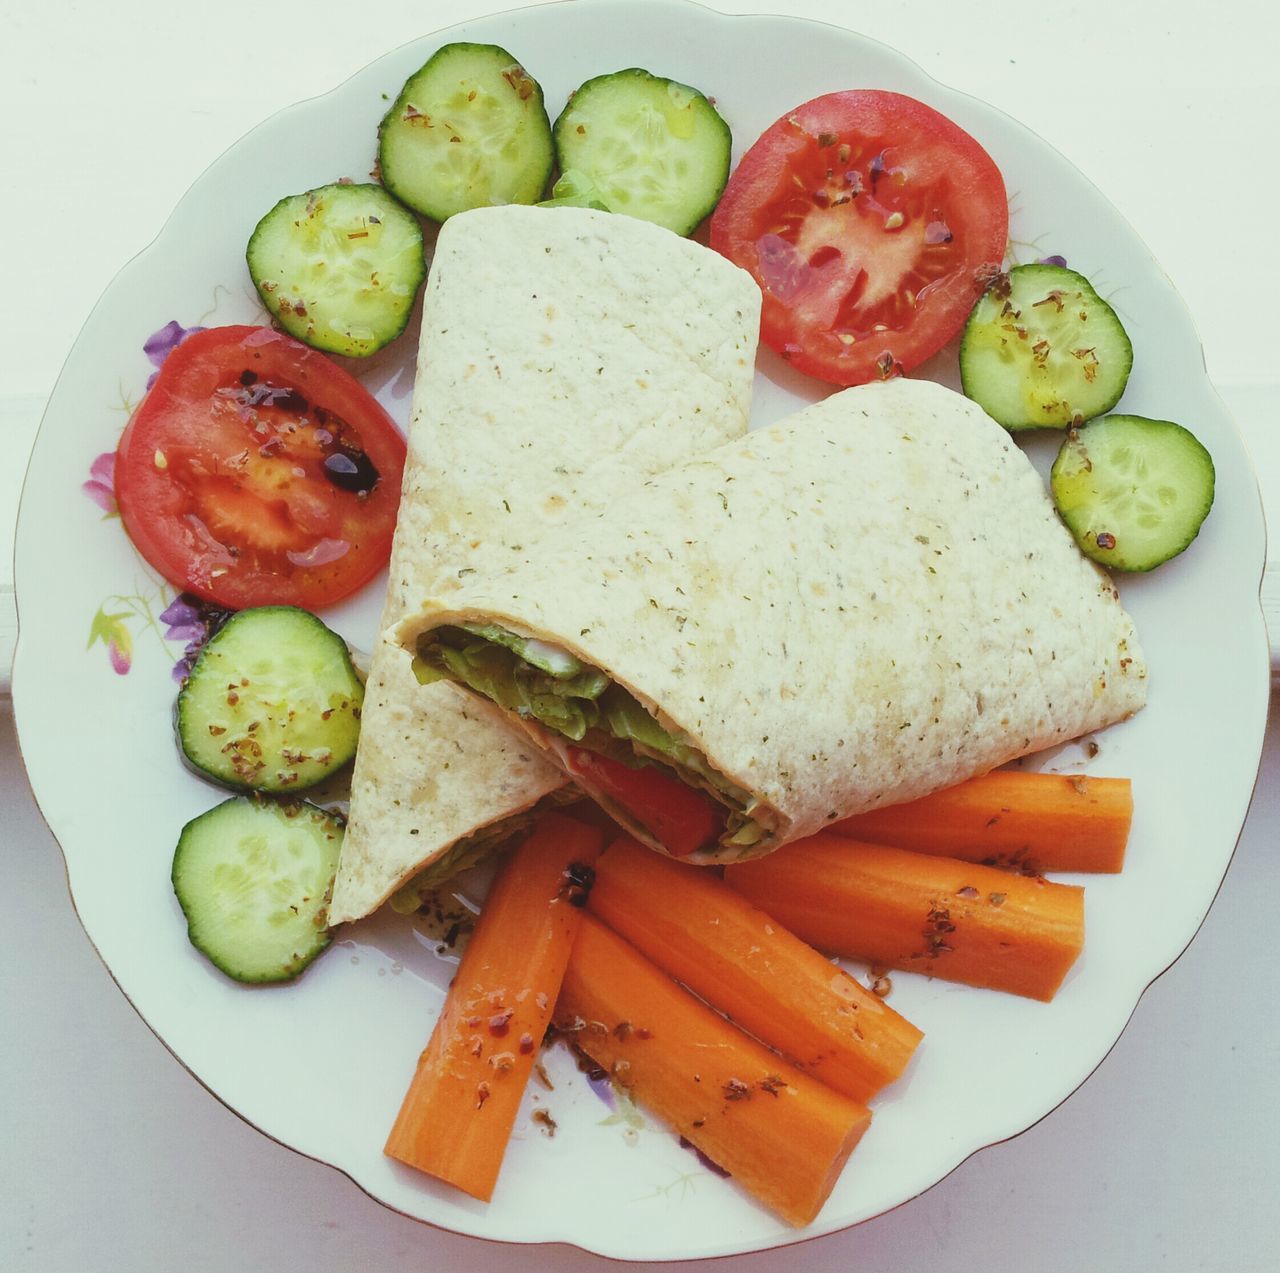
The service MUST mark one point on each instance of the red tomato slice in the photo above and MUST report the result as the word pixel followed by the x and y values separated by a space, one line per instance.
pixel 871 223
pixel 682 818
pixel 256 471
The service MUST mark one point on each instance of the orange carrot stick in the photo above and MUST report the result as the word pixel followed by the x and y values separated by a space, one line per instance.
pixel 457 1116
pixel 1038 821
pixel 781 1134
pixel 699 931
pixel 955 920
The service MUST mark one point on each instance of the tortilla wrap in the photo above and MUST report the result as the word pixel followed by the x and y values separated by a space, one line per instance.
pixel 565 354
pixel 867 602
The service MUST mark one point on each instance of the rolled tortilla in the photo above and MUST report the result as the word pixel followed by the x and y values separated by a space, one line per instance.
pixel 565 354
pixel 870 601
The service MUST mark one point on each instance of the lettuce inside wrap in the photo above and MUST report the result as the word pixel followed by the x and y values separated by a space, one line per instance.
pixel 544 683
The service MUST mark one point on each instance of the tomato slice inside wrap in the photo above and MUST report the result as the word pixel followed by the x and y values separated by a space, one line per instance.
pixel 683 818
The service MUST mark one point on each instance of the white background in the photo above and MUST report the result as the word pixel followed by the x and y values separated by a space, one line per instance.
pixel 115 1158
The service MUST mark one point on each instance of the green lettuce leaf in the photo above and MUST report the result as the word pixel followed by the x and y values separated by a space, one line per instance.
pixel 626 719
pixel 574 189
pixel 551 659
pixel 563 700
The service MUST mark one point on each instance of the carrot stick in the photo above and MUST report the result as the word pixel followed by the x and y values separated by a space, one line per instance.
pixel 949 919
pixel 457 1116
pixel 781 1134
pixel 699 931
pixel 1037 821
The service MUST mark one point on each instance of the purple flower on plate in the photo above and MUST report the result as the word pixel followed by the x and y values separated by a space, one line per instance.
pixel 181 618
pixel 101 486
pixel 615 1099
pixel 189 619
pixel 159 345
pixel 1059 261
pixel 598 1081
pixel 112 631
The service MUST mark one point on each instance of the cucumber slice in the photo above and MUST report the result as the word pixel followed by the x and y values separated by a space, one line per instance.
pixel 339 267
pixel 468 130
pixel 652 148
pixel 254 879
pixel 272 702
pixel 1132 491
pixel 1042 349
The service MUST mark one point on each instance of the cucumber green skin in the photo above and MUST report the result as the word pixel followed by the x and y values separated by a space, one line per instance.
pixel 415 162
pixel 998 370
pixel 1133 491
pixel 254 878
pixel 353 300
pixel 688 197
pixel 253 646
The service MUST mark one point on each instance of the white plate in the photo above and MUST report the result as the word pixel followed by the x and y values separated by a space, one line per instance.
pixel 322 1065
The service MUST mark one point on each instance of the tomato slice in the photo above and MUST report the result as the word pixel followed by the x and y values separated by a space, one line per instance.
pixel 256 471
pixel 682 818
pixel 872 224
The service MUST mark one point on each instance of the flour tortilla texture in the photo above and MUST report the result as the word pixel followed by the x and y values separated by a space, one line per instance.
pixel 872 600
pixel 566 354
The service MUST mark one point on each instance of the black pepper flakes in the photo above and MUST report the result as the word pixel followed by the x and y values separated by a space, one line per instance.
pixel 578 879
pixel 937 927
pixel 593 1070
pixel 887 366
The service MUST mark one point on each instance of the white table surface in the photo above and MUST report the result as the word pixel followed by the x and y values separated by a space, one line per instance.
pixel 115 1157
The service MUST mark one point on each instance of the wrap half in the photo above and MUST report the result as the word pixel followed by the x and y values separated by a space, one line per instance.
pixel 870 601
pixel 565 354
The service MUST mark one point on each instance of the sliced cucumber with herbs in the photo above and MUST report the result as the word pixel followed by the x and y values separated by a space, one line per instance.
pixel 1042 349
pixel 468 130
pixel 272 702
pixel 254 879
pixel 652 148
pixel 1132 491
pixel 339 267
